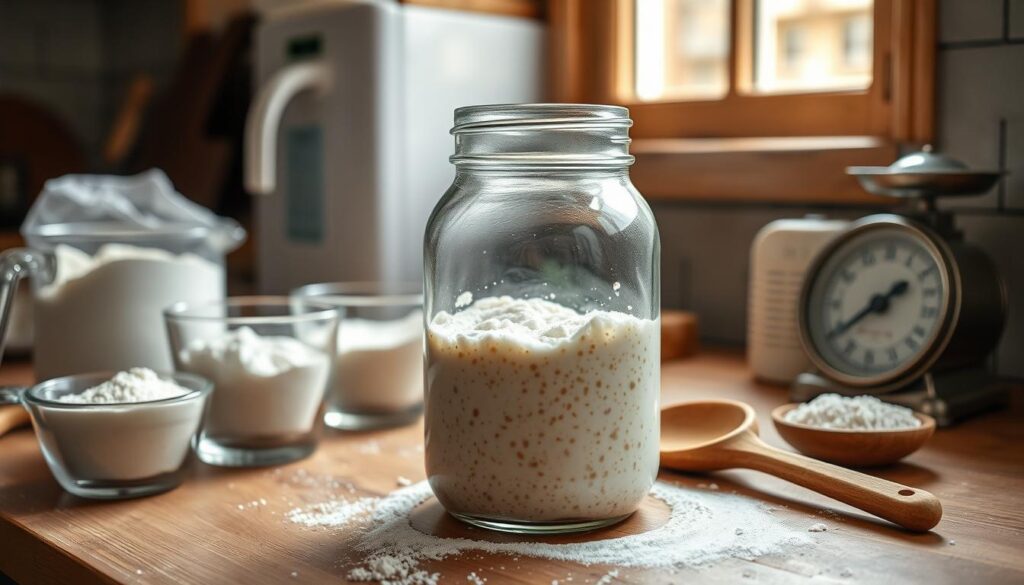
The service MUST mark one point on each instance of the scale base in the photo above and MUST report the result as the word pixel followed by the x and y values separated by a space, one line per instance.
pixel 947 396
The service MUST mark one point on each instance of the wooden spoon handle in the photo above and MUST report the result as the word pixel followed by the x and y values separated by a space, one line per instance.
pixel 909 507
pixel 12 417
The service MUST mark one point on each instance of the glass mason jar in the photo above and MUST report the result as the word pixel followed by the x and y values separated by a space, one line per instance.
pixel 543 330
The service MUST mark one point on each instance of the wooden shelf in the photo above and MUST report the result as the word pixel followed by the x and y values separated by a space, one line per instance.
pixel 805 170
pixel 522 8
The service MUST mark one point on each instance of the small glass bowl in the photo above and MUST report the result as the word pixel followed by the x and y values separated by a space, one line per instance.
pixel 264 406
pixel 378 370
pixel 120 450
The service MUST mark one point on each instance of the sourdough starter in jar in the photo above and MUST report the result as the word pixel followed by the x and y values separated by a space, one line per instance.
pixel 548 415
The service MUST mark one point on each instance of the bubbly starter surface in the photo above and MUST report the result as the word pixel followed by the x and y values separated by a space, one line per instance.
pixel 537 413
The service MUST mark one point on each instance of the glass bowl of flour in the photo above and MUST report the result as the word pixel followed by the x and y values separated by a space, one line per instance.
pixel 378 369
pixel 270 360
pixel 114 436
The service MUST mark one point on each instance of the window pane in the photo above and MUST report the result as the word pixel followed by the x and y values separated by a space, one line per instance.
pixel 682 49
pixel 810 45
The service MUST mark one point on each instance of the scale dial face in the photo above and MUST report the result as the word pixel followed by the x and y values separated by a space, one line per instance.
pixel 878 304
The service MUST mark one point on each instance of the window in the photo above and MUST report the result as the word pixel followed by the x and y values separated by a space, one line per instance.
pixel 812 45
pixel 684 51
pixel 791 89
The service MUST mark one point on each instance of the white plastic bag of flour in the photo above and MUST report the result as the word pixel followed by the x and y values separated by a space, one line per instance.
pixel 145 201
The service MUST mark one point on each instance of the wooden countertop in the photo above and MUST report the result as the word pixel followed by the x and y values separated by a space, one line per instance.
pixel 215 528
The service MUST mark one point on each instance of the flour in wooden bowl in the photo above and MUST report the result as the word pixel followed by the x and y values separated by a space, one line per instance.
pixel 703 527
pixel 857 413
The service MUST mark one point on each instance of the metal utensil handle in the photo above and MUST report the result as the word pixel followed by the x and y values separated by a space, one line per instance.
pixel 14 265
pixel 11 395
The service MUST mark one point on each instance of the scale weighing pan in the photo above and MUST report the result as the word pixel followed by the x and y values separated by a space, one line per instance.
pixel 925 174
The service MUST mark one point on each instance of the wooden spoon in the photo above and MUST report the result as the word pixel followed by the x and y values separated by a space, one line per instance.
pixel 857 448
pixel 12 413
pixel 722 434
pixel 12 417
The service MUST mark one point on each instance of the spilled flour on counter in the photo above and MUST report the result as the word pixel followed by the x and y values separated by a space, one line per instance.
pixel 703 527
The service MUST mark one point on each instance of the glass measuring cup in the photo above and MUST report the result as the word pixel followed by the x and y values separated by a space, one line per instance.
pixel 99 289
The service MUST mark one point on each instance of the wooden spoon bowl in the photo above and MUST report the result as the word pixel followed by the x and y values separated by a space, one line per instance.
pixel 705 435
pixel 853 448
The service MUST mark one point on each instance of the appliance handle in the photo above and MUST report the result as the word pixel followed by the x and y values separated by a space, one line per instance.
pixel 264 120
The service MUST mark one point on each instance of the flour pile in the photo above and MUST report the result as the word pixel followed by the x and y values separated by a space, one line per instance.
pixel 832 411
pixel 702 528
pixel 134 385
pixel 265 385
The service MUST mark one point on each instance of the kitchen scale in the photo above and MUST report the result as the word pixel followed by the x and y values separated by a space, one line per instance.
pixel 900 306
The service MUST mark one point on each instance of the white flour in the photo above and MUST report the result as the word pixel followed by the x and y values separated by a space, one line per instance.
pixel 112 442
pixel 832 411
pixel 701 529
pixel 379 368
pixel 103 312
pixel 135 385
pixel 263 386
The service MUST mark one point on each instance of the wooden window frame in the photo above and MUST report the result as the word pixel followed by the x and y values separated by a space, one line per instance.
pixel 779 147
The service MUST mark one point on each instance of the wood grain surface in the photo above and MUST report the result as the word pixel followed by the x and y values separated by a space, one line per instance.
pixel 228 526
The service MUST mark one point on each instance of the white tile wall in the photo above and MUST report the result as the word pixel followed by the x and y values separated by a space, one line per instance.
pixel 978 87
pixel 1015 24
pixel 970 20
pixel 76 100
pixel 141 35
pixel 705 261
pixel 74 55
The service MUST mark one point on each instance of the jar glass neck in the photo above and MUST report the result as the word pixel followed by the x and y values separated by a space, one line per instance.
pixel 499 172
pixel 543 148
pixel 543 136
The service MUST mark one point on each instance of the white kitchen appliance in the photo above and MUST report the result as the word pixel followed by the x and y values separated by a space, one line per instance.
pixel 347 140
pixel 779 257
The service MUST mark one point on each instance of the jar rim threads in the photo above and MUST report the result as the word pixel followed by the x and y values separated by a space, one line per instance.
pixel 547 136
pixel 491 116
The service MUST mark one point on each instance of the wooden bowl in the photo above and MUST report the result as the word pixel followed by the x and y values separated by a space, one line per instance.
pixel 854 448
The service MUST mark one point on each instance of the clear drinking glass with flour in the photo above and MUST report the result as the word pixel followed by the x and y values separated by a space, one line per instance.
pixel 378 369
pixel 270 360
pixel 106 255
